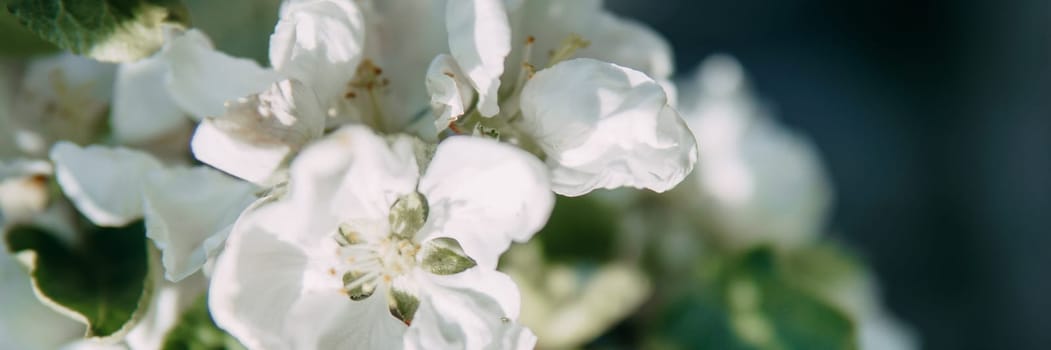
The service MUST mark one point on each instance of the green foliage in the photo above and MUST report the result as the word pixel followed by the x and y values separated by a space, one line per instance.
pixel 107 30
pixel 196 330
pixel 580 229
pixel 752 304
pixel 18 41
pixel 104 281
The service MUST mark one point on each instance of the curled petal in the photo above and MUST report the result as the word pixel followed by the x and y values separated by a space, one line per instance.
pixel 485 194
pixel 189 213
pixel 201 79
pixel 480 39
pixel 319 43
pixel 105 184
pixel 451 94
pixel 605 126
pixel 258 133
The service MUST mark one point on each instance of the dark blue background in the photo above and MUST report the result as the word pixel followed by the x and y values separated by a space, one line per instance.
pixel 934 119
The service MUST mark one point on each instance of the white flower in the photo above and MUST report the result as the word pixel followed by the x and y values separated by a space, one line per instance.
pixel 596 124
pixel 760 181
pixel 188 211
pixel 369 250
pixel 188 77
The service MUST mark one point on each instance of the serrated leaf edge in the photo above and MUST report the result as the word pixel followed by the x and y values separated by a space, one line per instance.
pixel 28 258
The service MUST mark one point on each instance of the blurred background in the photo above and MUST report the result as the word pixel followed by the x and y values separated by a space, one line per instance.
pixel 934 121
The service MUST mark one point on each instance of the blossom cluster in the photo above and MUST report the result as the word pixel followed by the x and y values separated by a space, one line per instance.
pixel 362 190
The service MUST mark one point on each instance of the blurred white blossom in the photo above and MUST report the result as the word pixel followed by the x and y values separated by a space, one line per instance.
pixel 758 181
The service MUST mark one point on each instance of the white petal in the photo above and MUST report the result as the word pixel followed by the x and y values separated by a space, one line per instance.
pixel 468 310
pixel 480 39
pixel 257 134
pixel 189 212
pixel 105 184
pixel 257 280
pixel 451 94
pixel 485 194
pixel 319 43
pixel 352 174
pixel 605 126
pixel 25 322
pixel 334 321
pixel 202 79
pixel 170 301
pixel 142 107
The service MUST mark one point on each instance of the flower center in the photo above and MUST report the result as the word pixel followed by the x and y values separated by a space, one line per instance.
pixel 363 265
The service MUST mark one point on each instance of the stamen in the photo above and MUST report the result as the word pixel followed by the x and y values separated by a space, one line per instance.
pixel 569 47
pixel 368 79
pixel 526 71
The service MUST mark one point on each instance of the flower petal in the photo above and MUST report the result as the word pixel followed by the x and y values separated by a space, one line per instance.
pixel 189 212
pixel 352 174
pixel 474 309
pixel 202 79
pixel 451 94
pixel 105 184
pixel 142 107
pixel 256 282
pixel 480 39
pixel 169 302
pixel 319 43
pixel 605 126
pixel 485 194
pixel 257 134
pixel 334 321
pixel 25 322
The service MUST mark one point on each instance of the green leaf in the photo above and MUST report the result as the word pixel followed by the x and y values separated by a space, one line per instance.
pixel 101 282
pixel 195 330
pixel 753 305
pixel 19 41
pixel 107 30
